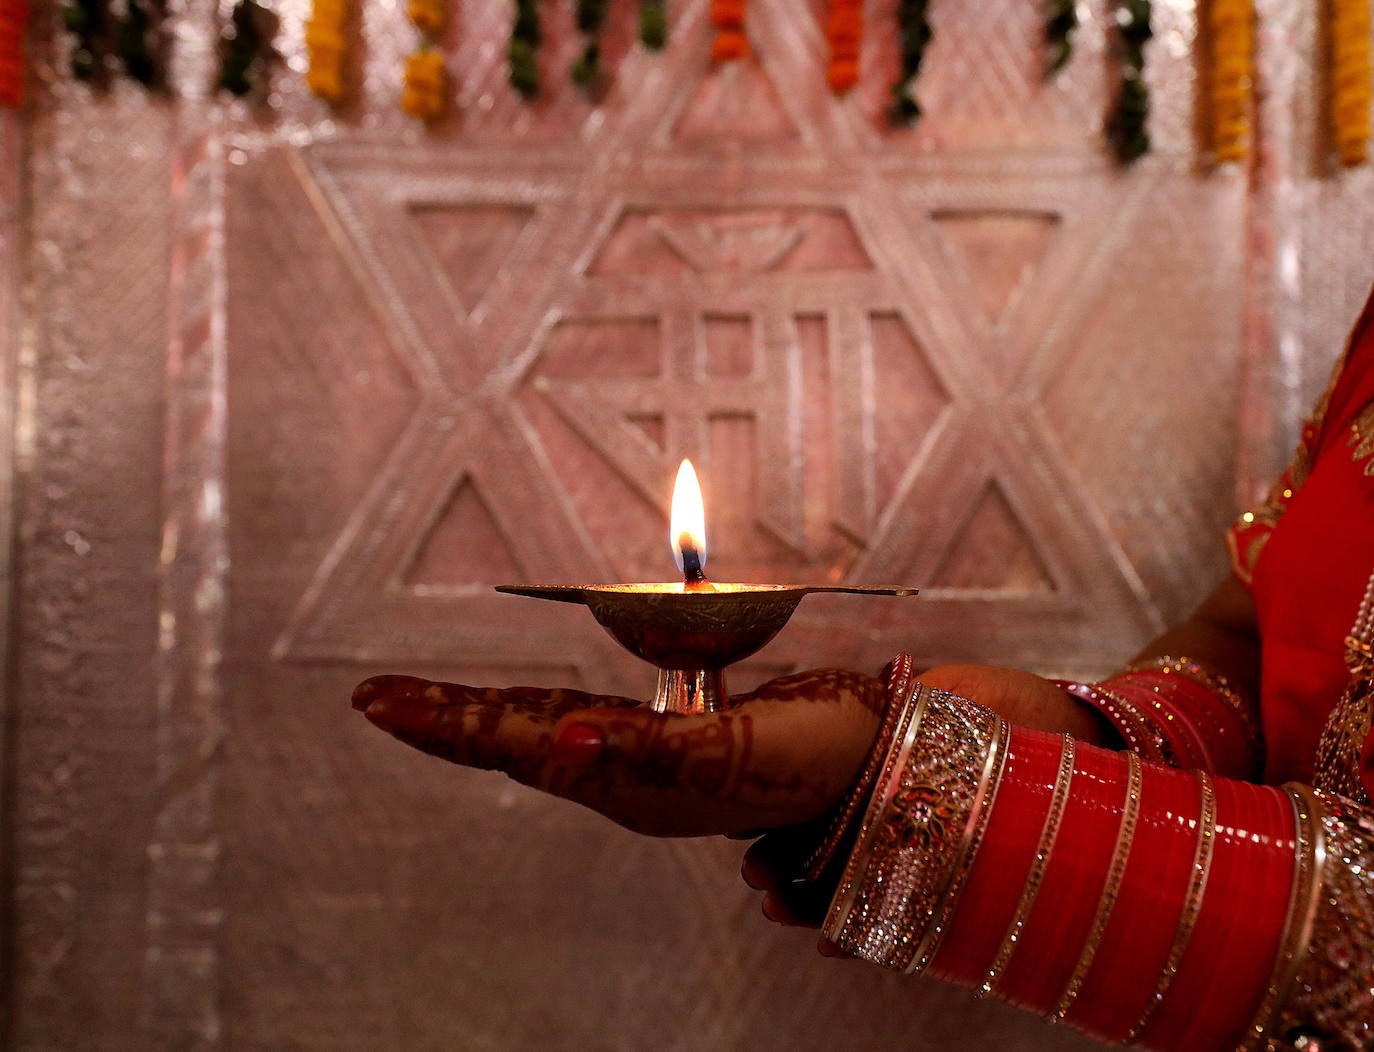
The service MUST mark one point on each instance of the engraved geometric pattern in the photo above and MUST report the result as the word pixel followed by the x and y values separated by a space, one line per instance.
pixel 851 351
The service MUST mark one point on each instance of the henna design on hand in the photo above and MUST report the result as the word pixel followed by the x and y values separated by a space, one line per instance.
pixel 772 761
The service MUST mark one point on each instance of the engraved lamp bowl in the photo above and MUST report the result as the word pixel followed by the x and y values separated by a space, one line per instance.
pixel 690 632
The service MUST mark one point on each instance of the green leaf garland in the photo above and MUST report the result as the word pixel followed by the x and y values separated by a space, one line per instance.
pixel 653 24
pixel 526 35
pixel 1126 127
pixel 915 35
pixel 1061 19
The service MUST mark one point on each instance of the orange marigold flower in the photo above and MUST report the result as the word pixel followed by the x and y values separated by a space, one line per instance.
pixel 842 75
pixel 844 23
pixel 727 14
pixel 729 44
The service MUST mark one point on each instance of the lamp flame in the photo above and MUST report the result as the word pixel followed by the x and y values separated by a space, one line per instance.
pixel 687 529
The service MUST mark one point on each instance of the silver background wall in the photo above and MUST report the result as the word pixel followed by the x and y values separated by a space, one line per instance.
pixel 284 391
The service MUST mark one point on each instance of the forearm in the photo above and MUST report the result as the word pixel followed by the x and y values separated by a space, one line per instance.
pixel 1096 889
pixel 1190 699
pixel 1221 634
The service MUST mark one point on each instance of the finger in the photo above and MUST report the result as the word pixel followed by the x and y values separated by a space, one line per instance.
pixel 798 905
pixel 509 730
pixel 746 834
pixel 826 948
pixel 777 859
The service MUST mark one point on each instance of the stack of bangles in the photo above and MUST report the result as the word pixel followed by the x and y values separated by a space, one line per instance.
pixel 1148 897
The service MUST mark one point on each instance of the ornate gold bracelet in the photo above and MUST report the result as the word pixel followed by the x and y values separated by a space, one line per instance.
pixel 1325 970
pixel 920 831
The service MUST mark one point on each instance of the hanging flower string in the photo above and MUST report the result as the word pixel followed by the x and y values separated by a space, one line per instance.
pixel 1350 79
pixel 730 42
pixel 14 15
pixel 88 21
pixel 844 30
pixel 1126 125
pixel 1231 31
pixel 1061 19
pixel 246 52
pixel 653 24
pixel 327 49
pixel 422 93
pixel 914 33
pixel 142 41
pixel 522 54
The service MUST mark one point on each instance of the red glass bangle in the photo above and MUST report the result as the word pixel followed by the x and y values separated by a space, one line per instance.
pixel 1057 926
pixel 1023 798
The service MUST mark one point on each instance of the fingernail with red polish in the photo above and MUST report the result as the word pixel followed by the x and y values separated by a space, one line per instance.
pixel 365 693
pixel 577 745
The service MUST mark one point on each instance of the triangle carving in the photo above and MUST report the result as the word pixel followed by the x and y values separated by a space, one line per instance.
pixel 735 100
pixel 465 546
pixel 998 250
pixel 470 242
pixel 992 552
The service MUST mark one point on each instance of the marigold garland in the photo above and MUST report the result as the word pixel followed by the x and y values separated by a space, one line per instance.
pixel 1231 37
pixel 14 15
pixel 1350 79
pixel 327 49
pixel 730 43
pixel 1126 125
pixel 844 30
pixel 522 53
pixel 914 31
pixel 422 92
pixel 1061 19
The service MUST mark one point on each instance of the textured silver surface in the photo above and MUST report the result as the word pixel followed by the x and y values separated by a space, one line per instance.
pixel 291 389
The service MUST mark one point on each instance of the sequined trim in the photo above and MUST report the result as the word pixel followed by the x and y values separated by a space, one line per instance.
pixel 1330 1001
pixel 920 832
pixel 1044 848
pixel 1192 903
pixel 1121 853
pixel 1362 438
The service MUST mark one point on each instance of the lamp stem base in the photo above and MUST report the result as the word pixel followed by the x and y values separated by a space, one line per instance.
pixel 690 690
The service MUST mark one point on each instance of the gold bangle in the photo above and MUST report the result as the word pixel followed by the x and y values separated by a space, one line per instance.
pixel 838 827
pixel 1192 904
pixel 1164 749
pixel 1303 898
pixel 988 781
pixel 1125 836
pixel 920 831
pixel 1036 873
pixel 1136 731
pixel 847 893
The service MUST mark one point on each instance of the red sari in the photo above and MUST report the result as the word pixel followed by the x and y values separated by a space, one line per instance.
pixel 1307 554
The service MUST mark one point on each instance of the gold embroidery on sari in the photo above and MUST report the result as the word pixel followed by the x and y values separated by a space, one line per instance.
pixel 1362 438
